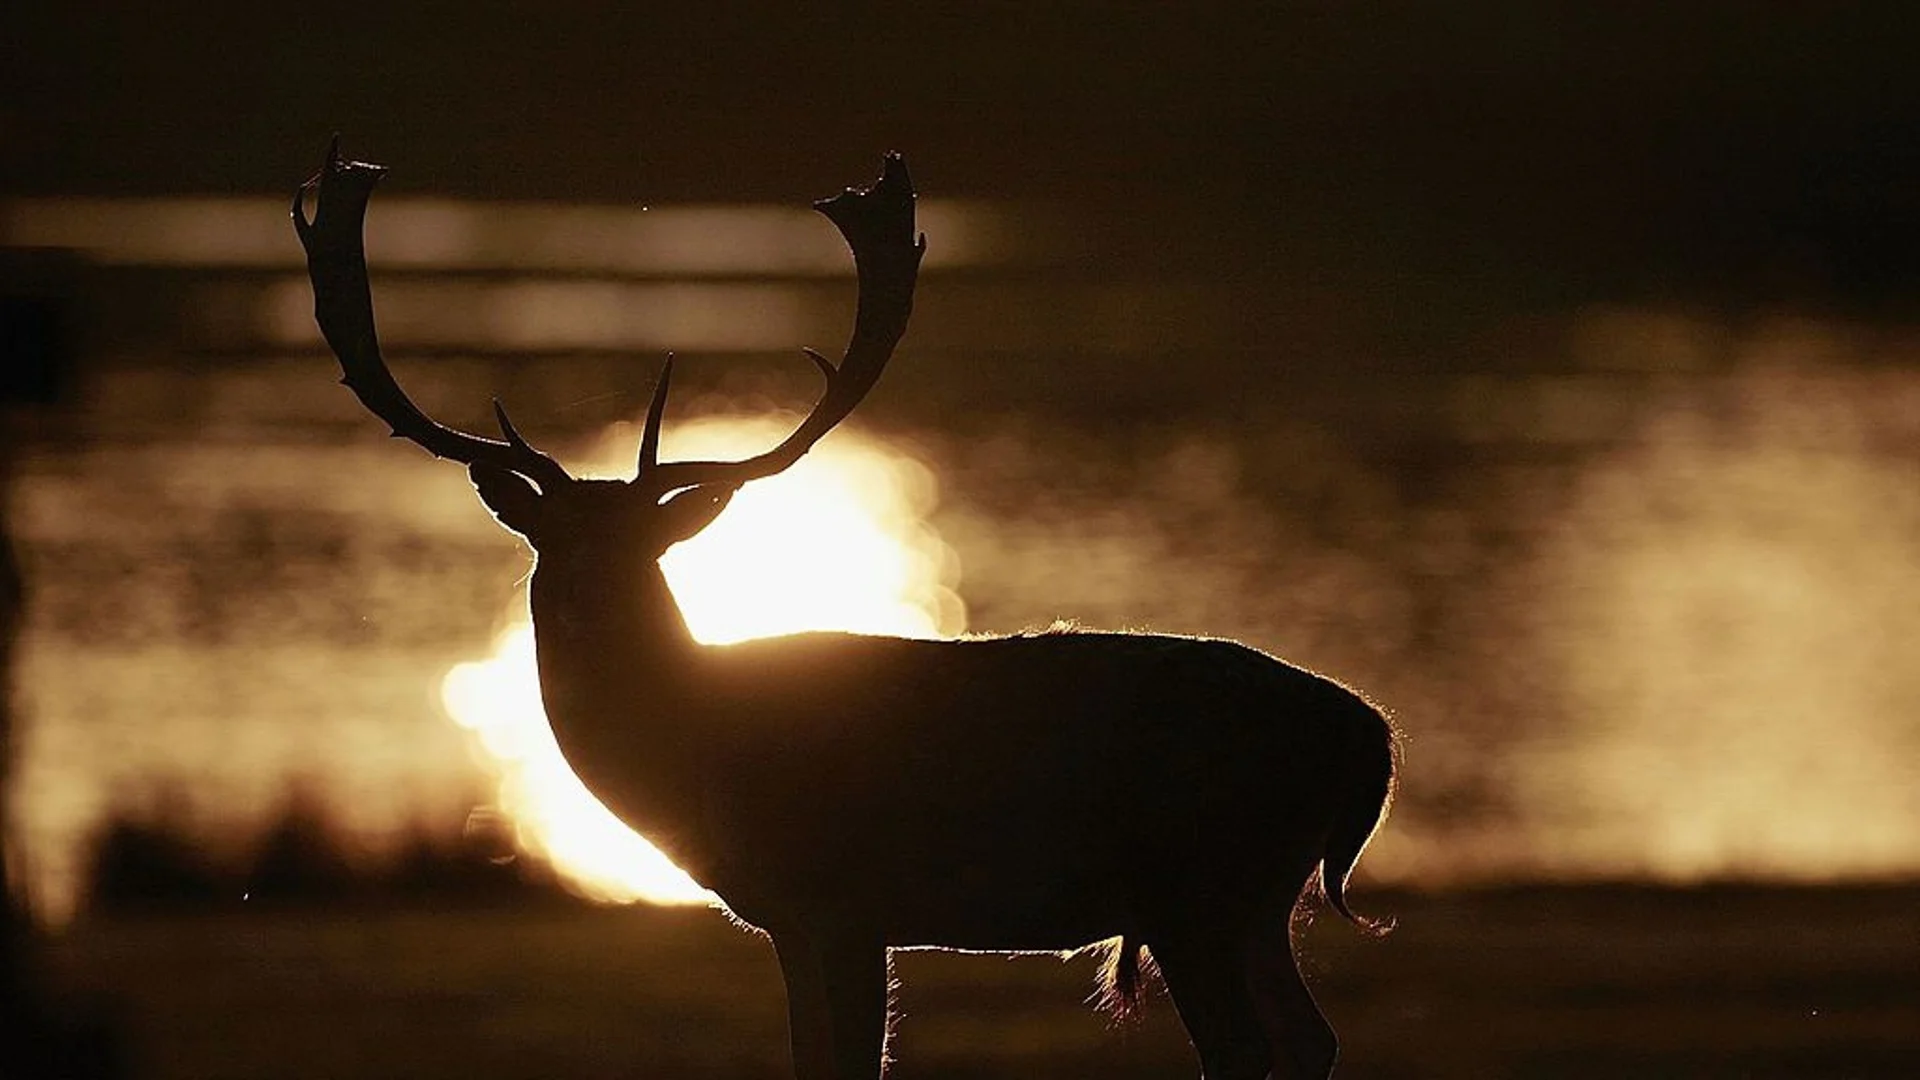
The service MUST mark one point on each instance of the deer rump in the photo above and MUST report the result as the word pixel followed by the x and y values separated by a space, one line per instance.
pixel 1037 792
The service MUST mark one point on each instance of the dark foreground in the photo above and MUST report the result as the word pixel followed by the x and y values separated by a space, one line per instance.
pixel 1551 983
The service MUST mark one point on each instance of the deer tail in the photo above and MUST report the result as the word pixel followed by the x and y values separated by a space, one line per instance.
pixel 1121 981
pixel 1363 807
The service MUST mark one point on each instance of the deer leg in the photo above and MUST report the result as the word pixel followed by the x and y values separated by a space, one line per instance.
pixel 809 1031
pixel 1207 982
pixel 836 1006
pixel 859 979
pixel 1304 1046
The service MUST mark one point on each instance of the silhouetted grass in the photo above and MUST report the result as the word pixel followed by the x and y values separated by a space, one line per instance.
pixel 154 864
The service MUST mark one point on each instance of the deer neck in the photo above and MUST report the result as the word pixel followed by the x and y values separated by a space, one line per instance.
pixel 609 644
pixel 620 682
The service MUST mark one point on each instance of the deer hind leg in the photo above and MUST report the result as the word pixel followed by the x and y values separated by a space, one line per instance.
pixel 1206 979
pixel 836 1006
pixel 1304 1046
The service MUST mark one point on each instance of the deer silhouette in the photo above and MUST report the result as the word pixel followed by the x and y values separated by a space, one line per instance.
pixel 850 794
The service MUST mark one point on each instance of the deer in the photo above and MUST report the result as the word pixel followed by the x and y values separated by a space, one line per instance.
pixel 848 795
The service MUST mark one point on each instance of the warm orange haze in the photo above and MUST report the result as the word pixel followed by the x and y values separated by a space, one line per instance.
pixel 1687 476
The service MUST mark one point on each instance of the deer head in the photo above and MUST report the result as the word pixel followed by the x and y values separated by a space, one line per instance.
pixel 528 491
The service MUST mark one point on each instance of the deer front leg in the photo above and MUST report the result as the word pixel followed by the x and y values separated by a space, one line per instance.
pixel 836 1004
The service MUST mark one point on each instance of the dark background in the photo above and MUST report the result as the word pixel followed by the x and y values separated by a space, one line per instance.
pixel 1543 153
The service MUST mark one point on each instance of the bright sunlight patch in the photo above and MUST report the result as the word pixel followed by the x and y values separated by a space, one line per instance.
pixel 837 542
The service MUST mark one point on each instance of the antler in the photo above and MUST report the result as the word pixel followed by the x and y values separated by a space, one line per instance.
pixel 343 306
pixel 878 225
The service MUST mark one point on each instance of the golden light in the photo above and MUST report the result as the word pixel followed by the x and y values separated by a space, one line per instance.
pixel 1729 610
pixel 838 542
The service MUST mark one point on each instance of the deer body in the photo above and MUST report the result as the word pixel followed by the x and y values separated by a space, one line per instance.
pixel 993 794
pixel 848 794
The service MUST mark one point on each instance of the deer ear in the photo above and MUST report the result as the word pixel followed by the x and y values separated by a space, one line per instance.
pixel 512 497
pixel 691 510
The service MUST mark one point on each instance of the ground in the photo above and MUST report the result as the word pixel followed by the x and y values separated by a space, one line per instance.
pixel 1549 982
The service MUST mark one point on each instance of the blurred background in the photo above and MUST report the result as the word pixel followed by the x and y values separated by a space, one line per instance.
pixel 1550 372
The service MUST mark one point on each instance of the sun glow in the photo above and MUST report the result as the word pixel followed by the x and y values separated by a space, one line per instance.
pixel 838 542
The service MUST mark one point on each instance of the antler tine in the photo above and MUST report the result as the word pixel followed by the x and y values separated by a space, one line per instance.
pixel 878 224
pixel 343 306
pixel 657 408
